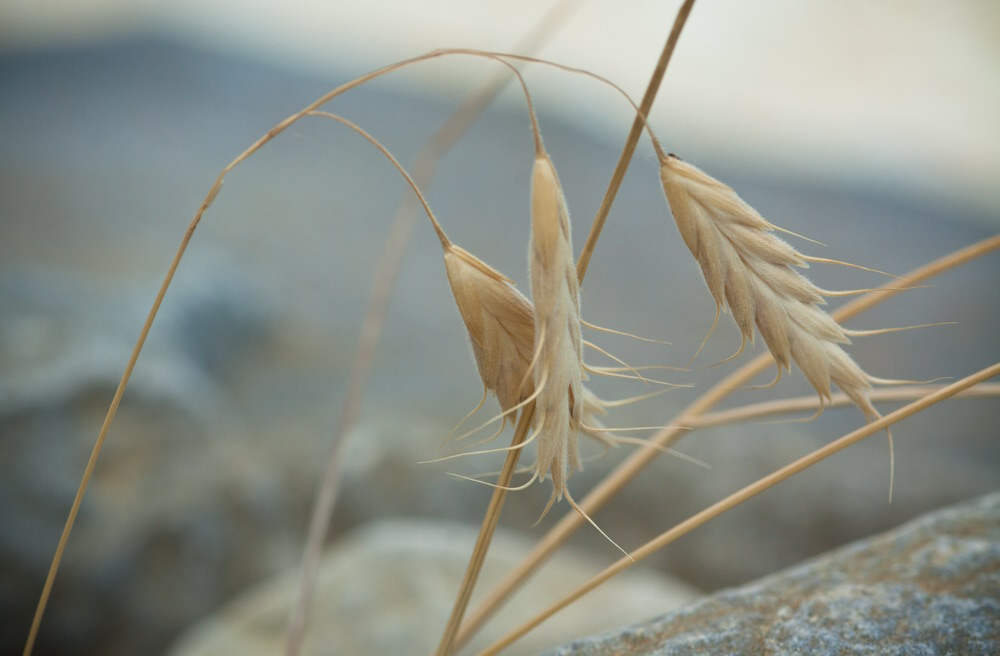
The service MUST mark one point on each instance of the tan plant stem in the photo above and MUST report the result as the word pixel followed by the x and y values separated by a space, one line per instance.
pixel 804 403
pixel 620 477
pixel 102 434
pixel 326 498
pixel 745 494
pixel 490 519
pixel 633 139
pixel 154 310
pixel 386 275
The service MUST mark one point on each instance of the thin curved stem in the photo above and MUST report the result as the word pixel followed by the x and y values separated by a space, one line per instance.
pixel 395 162
pixel 804 403
pixel 490 519
pixel 576 70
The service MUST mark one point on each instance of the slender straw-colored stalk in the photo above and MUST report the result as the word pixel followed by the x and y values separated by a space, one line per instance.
pixel 492 516
pixel 490 519
pixel 448 640
pixel 326 497
pixel 745 494
pixel 154 310
pixel 633 139
pixel 386 275
pixel 799 404
pixel 616 480
pixel 352 404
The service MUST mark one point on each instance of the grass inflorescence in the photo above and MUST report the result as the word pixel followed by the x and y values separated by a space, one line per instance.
pixel 529 352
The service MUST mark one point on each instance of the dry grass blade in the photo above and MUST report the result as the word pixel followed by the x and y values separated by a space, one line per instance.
pixel 620 477
pixel 745 494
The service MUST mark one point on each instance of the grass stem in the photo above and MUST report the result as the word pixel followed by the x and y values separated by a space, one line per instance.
pixel 800 404
pixel 633 139
pixel 616 480
pixel 490 519
pixel 386 273
pixel 745 494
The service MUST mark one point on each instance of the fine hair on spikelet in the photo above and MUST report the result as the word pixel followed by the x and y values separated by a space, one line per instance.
pixel 749 270
pixel 497 316
pixel 500 324
pixel 558 373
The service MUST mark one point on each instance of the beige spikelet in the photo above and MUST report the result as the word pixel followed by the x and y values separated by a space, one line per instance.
pixel 500 323
pixel 558 373
pixel 749 269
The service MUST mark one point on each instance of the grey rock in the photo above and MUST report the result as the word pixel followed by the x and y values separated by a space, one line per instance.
pixel 171 498
pixel 929 587
pixel 62 334
pixel 833 503
pixel 388 587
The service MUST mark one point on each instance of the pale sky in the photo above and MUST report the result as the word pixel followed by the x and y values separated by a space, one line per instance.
pixel 907 91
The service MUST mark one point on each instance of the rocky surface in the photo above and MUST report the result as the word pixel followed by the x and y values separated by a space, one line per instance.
pixel 834 502
pixel 171 499
pixel 929 587
pixel 388 588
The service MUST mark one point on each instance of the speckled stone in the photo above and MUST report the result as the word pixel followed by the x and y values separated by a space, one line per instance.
pixel 931 586
pixel 388 588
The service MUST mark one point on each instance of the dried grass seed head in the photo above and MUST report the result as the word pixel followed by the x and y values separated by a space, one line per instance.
pixel 749 270
pixel 500 323
pixel 558 373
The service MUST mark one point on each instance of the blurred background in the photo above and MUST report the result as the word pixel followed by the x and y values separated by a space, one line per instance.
pixel 870 127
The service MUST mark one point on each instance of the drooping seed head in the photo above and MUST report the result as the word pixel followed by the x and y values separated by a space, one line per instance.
pixel 749 271
pixel 499 321
pixel 558 372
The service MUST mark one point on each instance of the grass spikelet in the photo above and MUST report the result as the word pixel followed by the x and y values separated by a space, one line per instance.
pixel 500 324
pixel 750 271
pixel 555 292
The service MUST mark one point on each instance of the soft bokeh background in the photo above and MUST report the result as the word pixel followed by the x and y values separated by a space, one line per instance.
pixel 868 126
